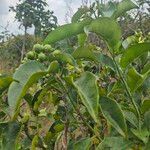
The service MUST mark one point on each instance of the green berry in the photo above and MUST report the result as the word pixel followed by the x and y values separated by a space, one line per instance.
pixel 38 48
pixel 30 55
pixel 47 48
pixel 56 52
pixel 42 57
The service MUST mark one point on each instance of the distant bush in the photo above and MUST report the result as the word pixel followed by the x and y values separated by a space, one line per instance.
pixel 10 50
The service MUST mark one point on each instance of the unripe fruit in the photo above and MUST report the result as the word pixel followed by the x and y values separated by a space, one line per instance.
pixel 38 48
pixel 56 52
pixel 48 48
pixel 42 57
pixel 30 55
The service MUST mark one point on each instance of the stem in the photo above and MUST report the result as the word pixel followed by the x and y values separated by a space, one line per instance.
pixel 77 110
pixel 27 131
pixel 127 89
pixel 24 43
pixel 66 135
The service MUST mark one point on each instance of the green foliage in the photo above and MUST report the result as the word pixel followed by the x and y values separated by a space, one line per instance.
pixel 84 52
pixel 114 143
pixel 26 75
pixel 33 12
pixel 10 51
pixel 80 96
pixel 113 114
pixel 88 91
pixel 83 144
pixel 123 7
pixel 5 81
pixel 134 79
pixel 66 31
pixel 134 52
pixel 111 35
pixel 79 14
pixel 10 131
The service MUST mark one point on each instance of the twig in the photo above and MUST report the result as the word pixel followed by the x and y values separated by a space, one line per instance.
pixel 77 110
pixel 127 89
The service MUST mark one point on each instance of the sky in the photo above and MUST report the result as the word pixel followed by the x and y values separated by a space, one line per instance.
pixel 60 8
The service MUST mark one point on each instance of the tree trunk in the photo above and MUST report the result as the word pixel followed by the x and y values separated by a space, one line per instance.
pixel 37 31
pixel 24 44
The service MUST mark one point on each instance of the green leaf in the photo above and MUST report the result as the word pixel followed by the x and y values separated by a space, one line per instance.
pixel 2 114
pixel 53 67
pixel 5 81
pixel 77 16
pixel 146 68
pixel 106 61
pixel 35 142
pixel 88 54
pixel 134 79
pixel 123 7
pixel 133 52
pixel 113 114
pixel 147 146
pixel 145 106
pixel 26 75
pixel 128 41
pixel 81 39
pixel 88 91
pixel 131 117
pixel 142 134
pixel 66 31
pixel 57 127
pixel 114 143
pixel 83 144
pixel 85 52
pixel 147 120
pixel 9 132
pixel 40 98
pixel 64 58
pixel 102 28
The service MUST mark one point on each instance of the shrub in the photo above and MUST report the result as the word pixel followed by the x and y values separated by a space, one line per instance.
pixel 84 100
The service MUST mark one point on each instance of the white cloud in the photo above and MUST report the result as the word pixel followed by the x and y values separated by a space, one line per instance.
pixel 3 7
pixel 59 8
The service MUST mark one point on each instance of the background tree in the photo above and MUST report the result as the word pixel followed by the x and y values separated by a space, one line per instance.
pixel 31 13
